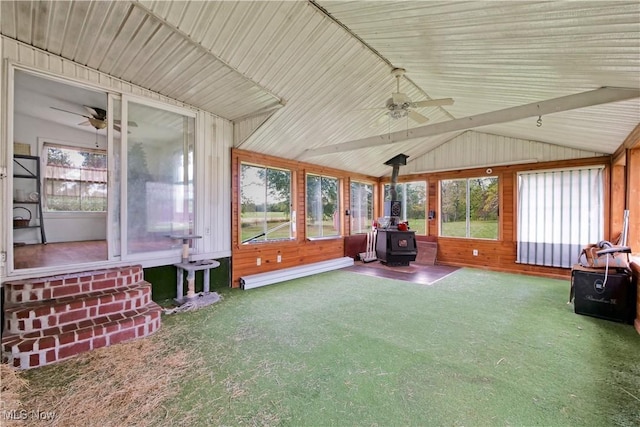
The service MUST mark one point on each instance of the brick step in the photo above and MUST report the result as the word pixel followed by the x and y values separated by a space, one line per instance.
pixel 33 316
pixel 51 345
pixel 45 288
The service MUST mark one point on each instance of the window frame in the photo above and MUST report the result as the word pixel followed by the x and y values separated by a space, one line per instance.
pixel 468 208
pixel 351 208
pixel 44 144
pixel 337 212
pixel 291 212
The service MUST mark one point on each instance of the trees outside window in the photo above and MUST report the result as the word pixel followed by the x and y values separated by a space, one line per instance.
pixel 469 208
pixel 265 195
pixel 323 207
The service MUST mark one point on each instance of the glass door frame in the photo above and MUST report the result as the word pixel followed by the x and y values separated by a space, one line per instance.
pixel 124 214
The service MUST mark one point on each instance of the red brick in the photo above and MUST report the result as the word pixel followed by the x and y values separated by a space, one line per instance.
pixel 16 362
pixel 91 302
pixel 46 342
pixel 55 283
pixel 66 290
pixel 20 326
pixel 15 286
pixel 25 346
pixel 73 349
pixel 126 323
pixel 17 298
pixel 84 334
pixel 103 284
pixel 37 324
pixel 66 338
pixel 98 277
pixel 127 305
pixel 69 327
pixel 34 360
pixel 127 334
pixel 113 274
pixel 99 342
pixel 120 296
pixel 72 316
pixel 111 308
pixel 85 324
pixel 70 280
pixel 47 294
pixel 18 314
pixel 114 327
pixel 51 356
pixel 93 311
pixel 42 311
pixel 53 320
pixel 116 316
pixel 139 320
pixel 75 304
pixel 86 287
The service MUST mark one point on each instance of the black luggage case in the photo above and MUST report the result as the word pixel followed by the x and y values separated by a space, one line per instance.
pixel 616 300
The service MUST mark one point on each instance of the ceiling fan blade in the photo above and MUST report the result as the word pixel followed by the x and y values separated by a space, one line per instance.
pixel 97 113
pixel 417 117
pixel 70 112
pixel 434 102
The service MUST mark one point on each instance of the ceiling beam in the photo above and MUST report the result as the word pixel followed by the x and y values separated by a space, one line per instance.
pixel 555 105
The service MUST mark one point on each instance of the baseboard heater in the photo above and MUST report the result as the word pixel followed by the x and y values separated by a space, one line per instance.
pixel 277 276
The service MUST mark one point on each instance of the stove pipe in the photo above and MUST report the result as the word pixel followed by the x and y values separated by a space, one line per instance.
pixel 396 162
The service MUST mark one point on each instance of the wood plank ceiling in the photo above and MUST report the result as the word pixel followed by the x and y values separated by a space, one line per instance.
pixel 329 62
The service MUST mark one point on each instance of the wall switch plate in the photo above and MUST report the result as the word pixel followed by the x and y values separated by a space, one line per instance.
pixel 258 261
pixel 475 252
pixel 279 258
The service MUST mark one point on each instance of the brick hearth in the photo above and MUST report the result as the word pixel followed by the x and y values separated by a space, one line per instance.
pixel 50 319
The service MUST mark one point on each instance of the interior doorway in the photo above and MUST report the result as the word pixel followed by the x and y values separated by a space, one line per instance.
pixel 59 184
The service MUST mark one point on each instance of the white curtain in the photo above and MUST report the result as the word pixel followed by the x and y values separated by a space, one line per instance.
pixel 559 211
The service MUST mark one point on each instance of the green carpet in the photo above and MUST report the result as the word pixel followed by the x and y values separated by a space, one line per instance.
pixel 341 349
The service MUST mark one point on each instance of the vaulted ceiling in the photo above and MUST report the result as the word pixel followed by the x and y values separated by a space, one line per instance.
pixel 302 76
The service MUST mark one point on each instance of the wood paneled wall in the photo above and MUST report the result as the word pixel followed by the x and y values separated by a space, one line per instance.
pixel 499 255
pixel 300 250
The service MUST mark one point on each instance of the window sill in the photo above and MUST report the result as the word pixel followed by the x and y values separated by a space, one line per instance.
pixel 313 239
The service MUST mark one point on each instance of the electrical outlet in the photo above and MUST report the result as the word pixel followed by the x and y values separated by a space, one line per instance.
pixel 475 252
pixel 3 257
pixel 258 261
pixel 279 258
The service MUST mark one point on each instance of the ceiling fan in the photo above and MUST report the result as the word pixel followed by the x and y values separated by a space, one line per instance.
pixel 400 105
pixel 97 118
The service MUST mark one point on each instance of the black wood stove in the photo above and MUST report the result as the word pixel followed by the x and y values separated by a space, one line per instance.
pixel 395 247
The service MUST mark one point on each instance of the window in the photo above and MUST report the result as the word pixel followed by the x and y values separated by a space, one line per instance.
pixel 559 212
pixel 323 207
pixel 75 179
pixel 159 178
pixel 265 209
pixel 469 208
pixel 413 196
pixel 361 207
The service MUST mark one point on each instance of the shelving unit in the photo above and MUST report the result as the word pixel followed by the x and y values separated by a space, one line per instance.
pixel 28 168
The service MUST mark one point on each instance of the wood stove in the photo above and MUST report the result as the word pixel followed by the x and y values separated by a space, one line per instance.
pixel 395 247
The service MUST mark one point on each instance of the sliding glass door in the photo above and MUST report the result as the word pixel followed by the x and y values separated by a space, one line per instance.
pixel 158 172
